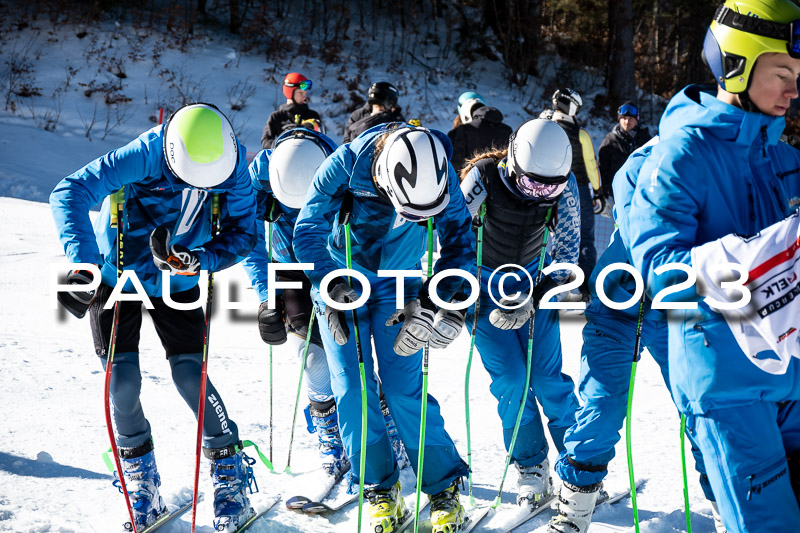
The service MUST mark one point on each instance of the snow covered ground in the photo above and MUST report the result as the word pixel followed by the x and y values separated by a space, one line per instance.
pixel 52 477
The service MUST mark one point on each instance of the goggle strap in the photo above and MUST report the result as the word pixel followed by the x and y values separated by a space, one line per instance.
pixel 754 25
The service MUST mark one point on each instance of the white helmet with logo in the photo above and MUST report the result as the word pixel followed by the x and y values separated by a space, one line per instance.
pixel 295 159
pixel 411 171
pixel 200 146
pixel 539 159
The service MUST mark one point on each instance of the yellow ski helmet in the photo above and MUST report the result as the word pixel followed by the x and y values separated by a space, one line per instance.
pixel 741 31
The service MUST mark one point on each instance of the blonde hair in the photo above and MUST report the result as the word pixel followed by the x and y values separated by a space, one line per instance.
pixel 491 153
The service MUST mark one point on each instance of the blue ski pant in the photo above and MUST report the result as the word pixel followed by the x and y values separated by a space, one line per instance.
pixel 504 356
pixel 401 379
pixel 608 342
pixel 746 449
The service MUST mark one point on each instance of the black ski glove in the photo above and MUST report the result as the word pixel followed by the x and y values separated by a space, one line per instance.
pixel 271 322
pixel 175 259
pixel 77 303
pixel 340 292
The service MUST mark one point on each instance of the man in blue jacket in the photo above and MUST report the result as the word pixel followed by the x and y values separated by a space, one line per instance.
pixel 719 169
pixel 393 176
pixel 169 175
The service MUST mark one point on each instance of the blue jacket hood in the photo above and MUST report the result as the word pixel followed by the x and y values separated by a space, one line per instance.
pixel 697 106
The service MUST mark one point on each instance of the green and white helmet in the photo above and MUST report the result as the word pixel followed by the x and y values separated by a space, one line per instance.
pixel 200 146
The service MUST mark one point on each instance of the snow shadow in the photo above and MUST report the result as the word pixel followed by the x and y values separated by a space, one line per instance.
pixel 44 466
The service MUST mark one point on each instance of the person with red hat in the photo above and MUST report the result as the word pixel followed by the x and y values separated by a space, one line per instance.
pixel 295 113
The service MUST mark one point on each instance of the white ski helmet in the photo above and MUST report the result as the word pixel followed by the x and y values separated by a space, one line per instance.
pixel 411 172
pixel 294 161
pixel 467 103
pixel 568 101
pixel 200 146
pixel 539 159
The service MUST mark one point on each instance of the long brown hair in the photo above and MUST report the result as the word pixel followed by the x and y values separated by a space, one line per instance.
pixel 494 153
pixel 457 121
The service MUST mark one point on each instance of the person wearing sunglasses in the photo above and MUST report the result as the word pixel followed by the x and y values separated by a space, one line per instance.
pixel 527 189
pixel 719 170
pixel 295 113
pixel 374 192
pixel 626 136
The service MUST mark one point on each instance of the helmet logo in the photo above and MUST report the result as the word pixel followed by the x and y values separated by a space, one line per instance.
pixel 400 171
pixel 172 151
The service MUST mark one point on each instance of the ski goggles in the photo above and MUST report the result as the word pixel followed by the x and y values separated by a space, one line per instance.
pixel 541 187
pixel 789 32
pixel 304 85
pixel 629 110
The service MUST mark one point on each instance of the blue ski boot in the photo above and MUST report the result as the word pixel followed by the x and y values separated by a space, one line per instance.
pixel 142 482
pixel 326 423
pixel 398 447
pixel 231 475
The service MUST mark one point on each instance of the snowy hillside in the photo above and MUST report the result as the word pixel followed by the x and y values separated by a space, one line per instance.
pixel 52 477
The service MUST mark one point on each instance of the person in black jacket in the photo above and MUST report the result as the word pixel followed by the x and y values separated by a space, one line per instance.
pixel 381 107
pixel 482 128
pixel 294 113
pixel 566 104
pixel 627 136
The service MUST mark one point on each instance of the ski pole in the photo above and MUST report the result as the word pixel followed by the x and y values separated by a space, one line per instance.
pixel 686 508
pixel 527 363
pixel 424 409
pixel 344 220
pixel 117 210
pixel 636 348
pixel 481 212
pixel 269 256
pixel 201 409
pixel 288 468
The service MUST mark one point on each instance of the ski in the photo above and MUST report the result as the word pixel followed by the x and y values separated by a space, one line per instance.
pixel 326 484
pixel 322 508
pixel 528 513
pixel 262 510
pixel 164 520
pixel 474 517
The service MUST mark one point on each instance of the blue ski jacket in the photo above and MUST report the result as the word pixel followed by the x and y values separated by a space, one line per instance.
pixel 381 239
pixel 255 264
pixel 716 170
pixel 153 197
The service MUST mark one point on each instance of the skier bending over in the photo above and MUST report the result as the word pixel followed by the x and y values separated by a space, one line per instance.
pixel 719 169
pixel 609 338
pixel 525 189
pixel 281 178
pixel 167 231
pixel 395 176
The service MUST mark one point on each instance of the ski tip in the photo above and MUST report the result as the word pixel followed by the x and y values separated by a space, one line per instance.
pixel 296 503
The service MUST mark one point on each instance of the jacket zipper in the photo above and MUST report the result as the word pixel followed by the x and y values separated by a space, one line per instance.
pixel 764 141
pixel 698 327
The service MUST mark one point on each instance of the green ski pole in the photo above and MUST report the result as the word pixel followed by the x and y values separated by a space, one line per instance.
pixel 637 346
pixel 288 468
pixel 481 213
pixel 424 410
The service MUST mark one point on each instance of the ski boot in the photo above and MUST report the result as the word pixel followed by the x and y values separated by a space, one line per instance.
pixel 387 509
pixel 399 449
pixel 232 475
pixel 326 423
pixel 534 484
pixel 142 482
pixel 574 506
pixel 447 513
